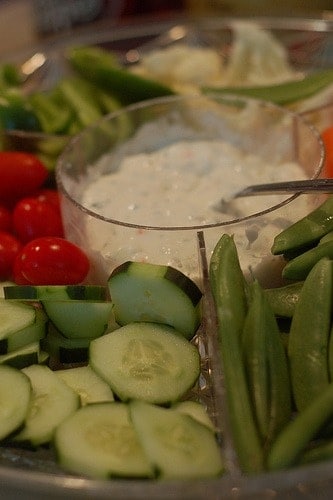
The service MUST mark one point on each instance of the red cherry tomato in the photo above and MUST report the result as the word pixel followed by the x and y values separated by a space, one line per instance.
pixel 327 137
pixel 20 174
pixel 5 219
pixel 9 249
pixel 50 196
pixel 52 261
pixel 17 275
pixel 33 218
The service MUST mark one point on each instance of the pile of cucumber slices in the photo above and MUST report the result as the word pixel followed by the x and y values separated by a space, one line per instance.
pixel 102 374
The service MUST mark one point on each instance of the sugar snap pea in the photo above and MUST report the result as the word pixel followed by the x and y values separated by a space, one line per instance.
pixel 229 294
pixel 266 366
pixel 307 230
pixel 283 93
pixel 299 267
pixel 298 433
pixel 309 335
pixel 284 298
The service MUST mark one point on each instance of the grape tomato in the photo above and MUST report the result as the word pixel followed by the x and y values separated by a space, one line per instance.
pixel 5 219
pixel 21 174
pixel 327 137
pixel 9 250
pixel 33 218
pixel 51 261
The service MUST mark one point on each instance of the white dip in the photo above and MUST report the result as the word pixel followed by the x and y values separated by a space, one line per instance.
pixel 181 185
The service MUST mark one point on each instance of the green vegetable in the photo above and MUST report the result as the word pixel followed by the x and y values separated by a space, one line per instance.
pixel 266 366
pixel 309 334
pixel 296 435
pixel 283 93
pixel 284 299
pixel 306 231
pixel 100 67
pixel 299 267
pixel 16 113
pixel 53 118
pixel 228 288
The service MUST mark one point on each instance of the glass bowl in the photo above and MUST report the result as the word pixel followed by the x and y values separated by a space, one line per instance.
pixel 141 183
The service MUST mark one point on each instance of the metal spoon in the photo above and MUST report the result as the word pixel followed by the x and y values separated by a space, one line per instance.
pixel 285 187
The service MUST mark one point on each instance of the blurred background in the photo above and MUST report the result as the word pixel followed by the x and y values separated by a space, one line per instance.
pixel 24 23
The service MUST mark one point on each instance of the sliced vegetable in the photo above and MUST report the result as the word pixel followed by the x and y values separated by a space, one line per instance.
pixel 155 293
pixel 79 319
pixel 177 445
pixel 64 350
pixel 56 292
pixel 99 441
pixel 87 384
pixel 15 393
pixel 24 356
pixel 52 402
pixel 29 334
pixel 195 410
pixel 148 361
pixel 14 317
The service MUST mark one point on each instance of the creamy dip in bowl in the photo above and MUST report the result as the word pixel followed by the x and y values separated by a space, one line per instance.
pixel 142 182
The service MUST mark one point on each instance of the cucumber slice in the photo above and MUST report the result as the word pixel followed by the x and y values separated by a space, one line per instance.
pixel 23 357
pixel 56 292
pixel 15 316
pixel 52 402
pixel 15 393
pixel 196 411
pixel 178 446
pixel 155 293
pixel 146 361
pixel 31 333
pixel 99 441
pixel 64 350
pixel 79 319
pixel 87 384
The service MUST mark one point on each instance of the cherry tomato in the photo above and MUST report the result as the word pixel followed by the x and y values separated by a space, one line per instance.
pixel 5 219
pixel 52 261
pixel 33 218
pixel 9 249
pixel 327 137
pixel 20 174
pixel 50 196
pixel 17 275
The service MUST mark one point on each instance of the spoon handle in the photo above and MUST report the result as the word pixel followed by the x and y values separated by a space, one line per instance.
pixel 302 186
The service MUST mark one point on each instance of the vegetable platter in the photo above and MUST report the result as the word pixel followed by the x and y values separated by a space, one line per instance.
pixel 36 474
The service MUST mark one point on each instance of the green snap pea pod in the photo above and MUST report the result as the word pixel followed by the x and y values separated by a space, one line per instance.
pixel 16 112
pixel 228 290
pixel 326 238
pixel 307 230
pixel 299 267
pixel 100 67
pixel 309 335
pixel 266 366
pixel 319 453
pixel 298 433
pixel 54 118
pixel 283 299
pixel 283 93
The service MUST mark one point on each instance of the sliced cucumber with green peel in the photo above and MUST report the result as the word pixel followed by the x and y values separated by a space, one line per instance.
pixel 148 361
pixel 23 357
pixel 178 446
pixel 155 293
pixel 15 393
pixel 99 441
pixel 195 410
pixel 87 384
pixel 15 316
pixel 79 319
pixel 64 350
pixel 25 336
pixel 52 402
pixel 56 292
